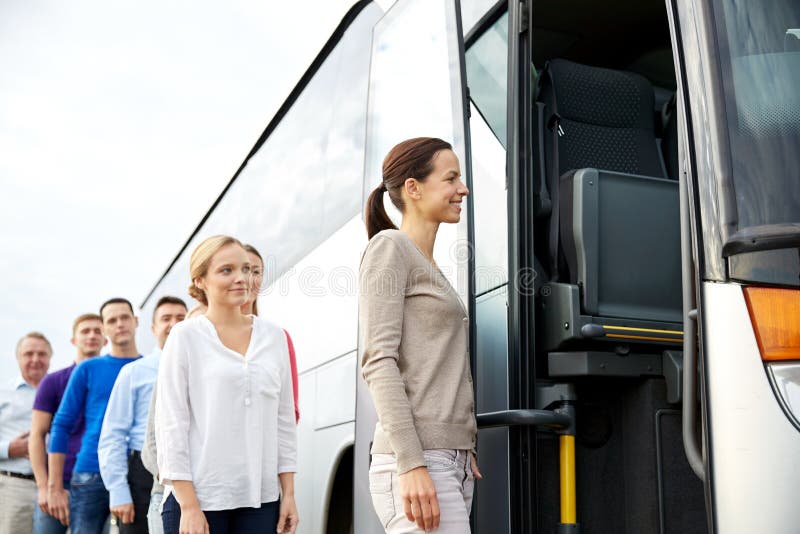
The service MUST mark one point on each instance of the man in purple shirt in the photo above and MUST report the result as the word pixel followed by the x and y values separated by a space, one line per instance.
pixel 88 338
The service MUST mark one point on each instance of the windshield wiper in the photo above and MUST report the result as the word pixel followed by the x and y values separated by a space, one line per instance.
pixel 764 237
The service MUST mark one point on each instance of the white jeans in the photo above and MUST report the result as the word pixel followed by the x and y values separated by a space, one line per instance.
pixel 451 472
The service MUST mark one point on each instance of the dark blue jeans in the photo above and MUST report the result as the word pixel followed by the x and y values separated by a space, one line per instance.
pixel 88 504
pixel 262 520
pixel 45 523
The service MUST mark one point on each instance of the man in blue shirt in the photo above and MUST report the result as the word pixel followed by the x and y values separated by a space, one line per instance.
pixel 85 507
pixel 125 423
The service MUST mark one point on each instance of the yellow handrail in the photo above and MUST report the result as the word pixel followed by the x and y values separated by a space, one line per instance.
pixel 567 467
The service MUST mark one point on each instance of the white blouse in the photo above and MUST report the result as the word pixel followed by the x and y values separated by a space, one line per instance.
pixel 225 422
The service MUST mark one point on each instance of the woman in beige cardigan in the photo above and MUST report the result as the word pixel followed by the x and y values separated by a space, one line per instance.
pixel 415 349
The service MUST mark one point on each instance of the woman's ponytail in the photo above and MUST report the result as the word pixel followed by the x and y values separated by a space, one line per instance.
pixel 377 218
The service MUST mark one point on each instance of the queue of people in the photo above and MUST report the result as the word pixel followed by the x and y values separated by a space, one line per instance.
pixel 75 443
pixel 200 437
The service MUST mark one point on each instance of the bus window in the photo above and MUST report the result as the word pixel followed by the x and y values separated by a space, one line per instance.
pixel 760 74
pixel 486 75
pixel 486 60
pixel 761 81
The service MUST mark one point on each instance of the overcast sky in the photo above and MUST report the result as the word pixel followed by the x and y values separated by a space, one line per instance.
pixel 120 123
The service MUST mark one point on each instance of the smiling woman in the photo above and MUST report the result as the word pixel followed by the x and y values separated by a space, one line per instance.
pixel 214 257
pixel 225 358
pixel 414 340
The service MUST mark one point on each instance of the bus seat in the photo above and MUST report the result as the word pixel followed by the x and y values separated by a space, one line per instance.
pixel 603 119
pixel 620 238
pixel 614 231
pixel 592 117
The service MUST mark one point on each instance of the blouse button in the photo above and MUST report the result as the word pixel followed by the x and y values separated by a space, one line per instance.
pixel 465 319
pixel 247 401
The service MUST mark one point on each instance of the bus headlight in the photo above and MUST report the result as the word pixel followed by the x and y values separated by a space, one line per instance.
pixel 785 378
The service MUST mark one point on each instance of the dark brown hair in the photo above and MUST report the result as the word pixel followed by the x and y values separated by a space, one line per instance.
pixel 115 300
pixel 412 158
pixel 252 250
pixel 168 299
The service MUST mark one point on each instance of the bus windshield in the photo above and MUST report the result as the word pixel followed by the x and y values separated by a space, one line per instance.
pixel 759 52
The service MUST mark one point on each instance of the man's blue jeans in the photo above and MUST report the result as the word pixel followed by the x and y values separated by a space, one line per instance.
pixel 88 504
pixel 45 523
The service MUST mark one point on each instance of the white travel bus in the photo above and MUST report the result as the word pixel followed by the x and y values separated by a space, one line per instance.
pixel 628 254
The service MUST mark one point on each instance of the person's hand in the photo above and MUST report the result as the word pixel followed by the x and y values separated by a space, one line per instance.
pixel 288 519
pixel 58 502
pixel 18 448
pixel 124 513
pixel 193 521
pixel 41 499
pixel 419 498
pixel 475 471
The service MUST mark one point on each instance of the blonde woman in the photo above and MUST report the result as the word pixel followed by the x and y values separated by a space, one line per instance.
pixel 414 342
pixel 224 421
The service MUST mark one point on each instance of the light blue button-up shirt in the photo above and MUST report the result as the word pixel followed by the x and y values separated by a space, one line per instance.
pixel 16 409
pixel 124 425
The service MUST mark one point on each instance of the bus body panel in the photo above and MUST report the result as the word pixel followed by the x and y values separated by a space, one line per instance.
pixel 328 446
pixel 750 443
pixel 318 454
pixel 752 454
pixel 316 301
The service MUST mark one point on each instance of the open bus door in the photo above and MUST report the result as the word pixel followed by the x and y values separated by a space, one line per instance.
pixel 417 88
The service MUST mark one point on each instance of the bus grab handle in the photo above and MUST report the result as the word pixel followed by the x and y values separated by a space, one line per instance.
pixel 548 418
pixel 691 446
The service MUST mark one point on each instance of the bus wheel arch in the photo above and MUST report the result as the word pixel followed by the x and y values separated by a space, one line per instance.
pixel 339 499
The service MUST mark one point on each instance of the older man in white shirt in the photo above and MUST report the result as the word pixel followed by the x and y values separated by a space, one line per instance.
pixel 17 485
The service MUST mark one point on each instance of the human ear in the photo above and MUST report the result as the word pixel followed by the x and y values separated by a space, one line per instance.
pixel 412 188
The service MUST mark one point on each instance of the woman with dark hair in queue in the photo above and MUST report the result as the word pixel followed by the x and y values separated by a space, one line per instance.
pixel 414 338
pixel 224 420
pixel 251 308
